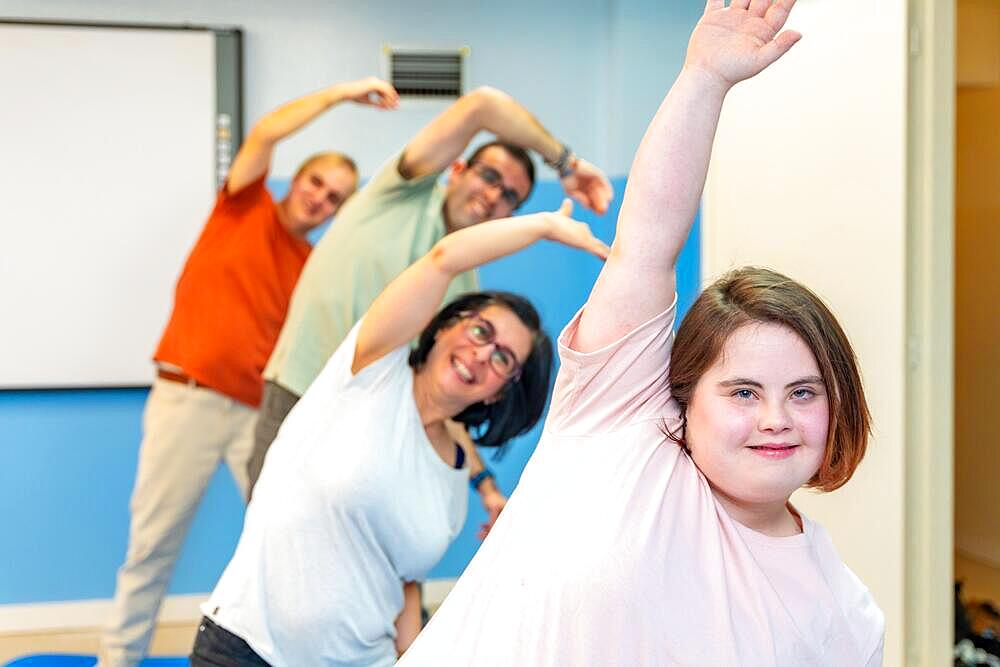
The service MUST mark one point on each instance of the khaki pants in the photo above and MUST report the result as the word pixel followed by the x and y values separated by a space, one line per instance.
pixel 187 432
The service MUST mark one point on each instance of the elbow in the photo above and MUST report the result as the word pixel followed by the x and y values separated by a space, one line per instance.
pixel 484 99
pixel 442 256
pixel 262 134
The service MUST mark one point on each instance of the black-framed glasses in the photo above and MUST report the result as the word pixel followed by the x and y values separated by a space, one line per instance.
pixel 492 178
pixel 480 332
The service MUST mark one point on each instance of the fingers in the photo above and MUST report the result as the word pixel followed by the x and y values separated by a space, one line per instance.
pixel 777 14
pixel 566 208
pixel 758 7
pixel 597 197
pixel 739 4
pixel 715 5
pixel 604 194
pixel 385 95
pixel 582 197
pixel 778 47
pixel 600 248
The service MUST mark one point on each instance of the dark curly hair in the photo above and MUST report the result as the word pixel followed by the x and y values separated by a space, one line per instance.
pixel 523 401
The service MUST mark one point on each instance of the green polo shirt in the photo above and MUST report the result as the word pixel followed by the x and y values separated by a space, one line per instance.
pixel 379 232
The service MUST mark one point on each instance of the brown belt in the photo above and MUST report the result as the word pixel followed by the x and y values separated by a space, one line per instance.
pixel 178 377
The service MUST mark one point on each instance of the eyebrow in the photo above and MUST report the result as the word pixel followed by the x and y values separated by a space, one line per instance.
pixel 747 382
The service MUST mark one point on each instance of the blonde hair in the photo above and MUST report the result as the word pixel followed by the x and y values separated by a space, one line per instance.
pixel 327 156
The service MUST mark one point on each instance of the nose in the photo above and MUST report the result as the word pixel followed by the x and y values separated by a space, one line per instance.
pixel 493 192
pixel 482 352
pixel 773 417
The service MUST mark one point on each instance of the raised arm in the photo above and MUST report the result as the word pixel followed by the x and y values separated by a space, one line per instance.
pixel 444 139
pixel 254 157
pixel 668 173
pixel 409 302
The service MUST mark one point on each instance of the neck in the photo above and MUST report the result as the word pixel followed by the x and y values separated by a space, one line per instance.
pixel 445 217
pixel 431 406
pixel 774 519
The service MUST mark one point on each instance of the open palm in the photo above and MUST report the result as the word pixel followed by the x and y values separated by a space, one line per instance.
pixel 564 229
pixel 740 41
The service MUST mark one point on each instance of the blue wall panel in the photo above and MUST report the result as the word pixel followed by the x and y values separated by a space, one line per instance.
pixel 67 458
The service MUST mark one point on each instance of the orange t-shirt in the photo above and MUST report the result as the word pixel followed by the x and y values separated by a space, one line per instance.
pixel 233 294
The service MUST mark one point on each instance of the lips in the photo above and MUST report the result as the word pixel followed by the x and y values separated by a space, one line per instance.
pixel 774 451
pixel 479 207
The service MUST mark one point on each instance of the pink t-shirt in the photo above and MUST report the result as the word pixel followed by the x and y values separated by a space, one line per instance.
pixel 614 551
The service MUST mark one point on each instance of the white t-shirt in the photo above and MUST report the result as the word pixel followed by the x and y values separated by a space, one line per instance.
pixel 614 551
pixel 352 502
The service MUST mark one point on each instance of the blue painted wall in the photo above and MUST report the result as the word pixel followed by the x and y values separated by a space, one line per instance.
pixel 68 458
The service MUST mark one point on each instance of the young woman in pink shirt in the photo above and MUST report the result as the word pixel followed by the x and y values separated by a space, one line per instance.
pixel 652 525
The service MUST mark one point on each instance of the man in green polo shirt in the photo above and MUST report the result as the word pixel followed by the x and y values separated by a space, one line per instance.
pixel 393 221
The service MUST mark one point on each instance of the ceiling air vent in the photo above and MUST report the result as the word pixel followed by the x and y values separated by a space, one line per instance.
pixel 429 73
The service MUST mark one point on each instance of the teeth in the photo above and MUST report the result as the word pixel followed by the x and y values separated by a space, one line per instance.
pixel 463 372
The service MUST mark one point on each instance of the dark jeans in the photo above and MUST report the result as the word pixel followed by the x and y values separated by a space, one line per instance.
pixel 275 405
pixel 218 647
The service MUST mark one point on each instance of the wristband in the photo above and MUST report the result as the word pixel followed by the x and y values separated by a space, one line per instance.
pixel 480 477
pixel 565 164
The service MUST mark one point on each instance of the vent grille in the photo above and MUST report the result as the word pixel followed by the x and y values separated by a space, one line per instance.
pixel 427 73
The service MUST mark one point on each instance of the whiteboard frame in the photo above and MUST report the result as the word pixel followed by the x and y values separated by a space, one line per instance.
pixel 228 135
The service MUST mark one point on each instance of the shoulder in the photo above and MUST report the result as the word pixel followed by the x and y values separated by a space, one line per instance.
pixel 623 382
pixel 389 179
pixel 253 194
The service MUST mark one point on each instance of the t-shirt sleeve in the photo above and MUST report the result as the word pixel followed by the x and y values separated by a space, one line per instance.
pixel 388 186
pixel 337 372
pixel 617 385
pixel 247 198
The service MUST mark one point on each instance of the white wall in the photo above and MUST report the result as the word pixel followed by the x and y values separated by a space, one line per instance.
pixel 648 41
pixel 548 55
pixel 808 177
pixel 593 71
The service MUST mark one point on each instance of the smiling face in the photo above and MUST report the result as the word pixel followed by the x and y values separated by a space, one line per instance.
pixel 461 370
pixel 758 417
pixel 317 192
pixel 476 192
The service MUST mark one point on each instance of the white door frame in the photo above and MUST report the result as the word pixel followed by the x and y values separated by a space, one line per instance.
pixel 930 326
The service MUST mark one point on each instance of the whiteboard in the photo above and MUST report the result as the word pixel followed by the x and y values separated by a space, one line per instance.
pixel 107 137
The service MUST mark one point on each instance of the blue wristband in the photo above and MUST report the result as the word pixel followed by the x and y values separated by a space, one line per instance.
pixel 478 478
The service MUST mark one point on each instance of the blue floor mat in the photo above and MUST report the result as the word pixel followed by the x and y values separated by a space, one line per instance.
pixel 63 660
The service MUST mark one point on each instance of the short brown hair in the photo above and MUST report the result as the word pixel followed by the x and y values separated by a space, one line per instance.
pixel 752 294
pixel 515 151
pixel 332 156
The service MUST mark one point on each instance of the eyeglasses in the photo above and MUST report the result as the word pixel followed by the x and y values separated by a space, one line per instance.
pixel 480 332
pixel 492 178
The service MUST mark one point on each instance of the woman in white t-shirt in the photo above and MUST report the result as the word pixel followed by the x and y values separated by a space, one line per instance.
pixel 364 488
pixel 683 549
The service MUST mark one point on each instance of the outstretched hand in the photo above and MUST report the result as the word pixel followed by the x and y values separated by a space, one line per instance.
pixel 738 42
pixel 589 186
pixel 370 91
pixel 576 234
pixel 493 503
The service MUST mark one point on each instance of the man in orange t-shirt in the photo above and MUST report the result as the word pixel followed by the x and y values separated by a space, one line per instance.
pixel 229 305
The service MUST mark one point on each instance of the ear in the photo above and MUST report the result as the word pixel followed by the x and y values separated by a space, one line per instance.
pixel 458 167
